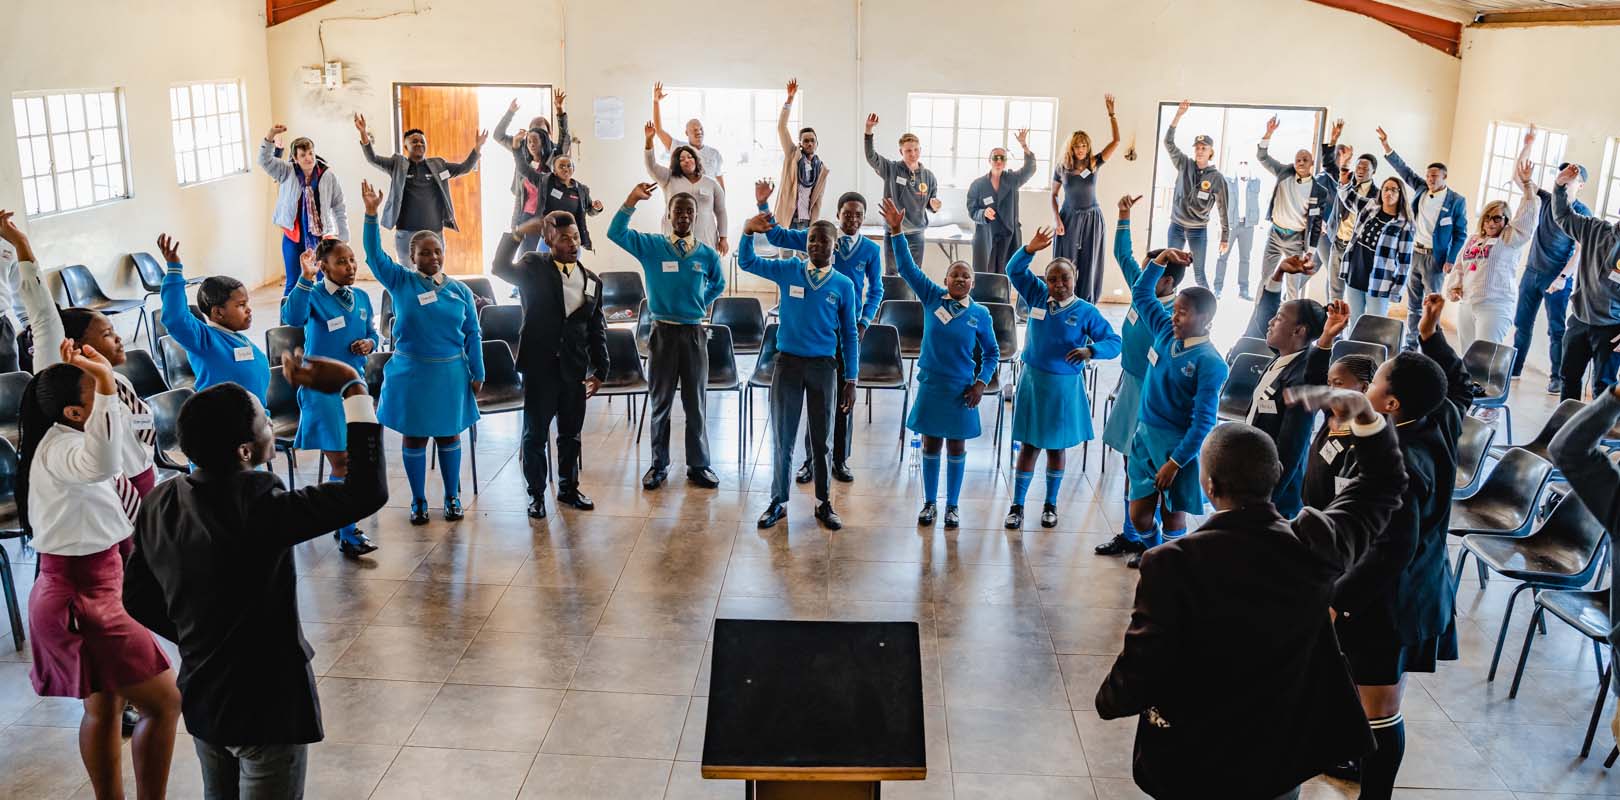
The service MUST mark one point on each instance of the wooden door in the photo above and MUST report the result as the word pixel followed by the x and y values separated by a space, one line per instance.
pixel 449 117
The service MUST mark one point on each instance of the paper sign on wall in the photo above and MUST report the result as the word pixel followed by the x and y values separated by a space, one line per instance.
pixel 609 116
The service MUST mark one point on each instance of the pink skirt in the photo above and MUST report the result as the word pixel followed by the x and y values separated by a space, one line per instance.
pixel 83 640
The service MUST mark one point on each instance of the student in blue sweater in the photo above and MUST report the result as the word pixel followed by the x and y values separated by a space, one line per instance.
pixel 1050 411
pixel 218 350
pixel 338 324
pixel 959 356
pixel 431 383
pixel 857 258
pixel 1133 361
pixel 1179 399
pixel 818 308
pixel 683 279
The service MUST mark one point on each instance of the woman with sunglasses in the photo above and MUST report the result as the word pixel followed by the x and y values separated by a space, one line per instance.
pixel 1485 278
pixel 992 203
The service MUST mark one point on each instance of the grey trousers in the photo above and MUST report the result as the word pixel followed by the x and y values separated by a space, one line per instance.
pixel 1425 277
pixel 252 772
pixel 1242 247
pixel 842 427
pixel 801 384
pixel 1334 259
pixel 915 242
pixel 1280 245
pixel 679 358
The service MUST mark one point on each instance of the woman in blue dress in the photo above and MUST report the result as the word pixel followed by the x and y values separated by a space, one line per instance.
pixel 431 383
pixel 1079 220
pixel 338 324
pixel 1050 411
pixel 959 355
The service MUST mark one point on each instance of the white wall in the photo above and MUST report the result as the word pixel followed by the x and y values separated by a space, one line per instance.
pixel 144 47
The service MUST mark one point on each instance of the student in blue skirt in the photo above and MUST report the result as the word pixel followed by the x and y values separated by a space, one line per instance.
pixel 1180 396
pixel 1133 362
pixel 1051 411
pixel 959 355
pixel 431 383
pixel 219 350
pixel 338 324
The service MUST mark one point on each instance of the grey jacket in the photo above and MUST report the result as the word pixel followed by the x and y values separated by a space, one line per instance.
pixel 334 214
pixel 396 164
pixel 1578 452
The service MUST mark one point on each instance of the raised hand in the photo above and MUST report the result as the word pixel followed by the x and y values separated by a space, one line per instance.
pixel 558 97
pixel 534 226
pixel 169 247
pixel 1383 138
pixel 275 130
pixel 1522 172
pixel 1040 241
pixel 871 122
pixel 1023 138
pixel 324 375
pixel 1169 256
pixel 1108 100
pixel 1182 109
pixel 1530 136
pixel 371 197
pixel 648 131
pixel 483 136
pixel 762 190
pixel 892 215
pixel 14 235
pixel 1271 126
pixel 792 89
pixel 1338 317
pixel 640 192
pixel 1568 174
pixel 306 263
pixel 360 125
pixel 92 362
pixel 759 223
pixel 1338 128
pixel 512 107
pixel 658 91
pixel 1125 204
pixel 1433 305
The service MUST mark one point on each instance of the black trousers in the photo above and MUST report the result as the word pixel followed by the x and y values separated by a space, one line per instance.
pixel 1588 344
pixel 801 384
pixel 842 425
pixel 679 359
pixel 545 397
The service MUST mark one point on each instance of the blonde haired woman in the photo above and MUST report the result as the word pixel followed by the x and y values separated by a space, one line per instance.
pixel 1484 278
pixel 1079 220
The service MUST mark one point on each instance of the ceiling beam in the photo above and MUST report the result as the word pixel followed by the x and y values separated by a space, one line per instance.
pixel 1442 34
pixel 1562 16
pixel 279 11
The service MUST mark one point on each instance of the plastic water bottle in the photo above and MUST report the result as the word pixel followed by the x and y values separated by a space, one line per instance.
pixel 916 450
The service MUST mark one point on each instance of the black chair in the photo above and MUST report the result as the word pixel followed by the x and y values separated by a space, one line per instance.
pixel 896 288
pixel 504 324
pixel 374 373
pixel 1004 321
pixel 10 528
pixel 84 291
pixel 1473 445
pixel 906 316
pixel 723 377
pixel 281 405
pixel 764 372
pixel 1491 364
pixel 1561 553
pixel 12 385
pixel 1345 347
pixel 385 319
pixel 1541 445
pixel 282 339
pixel 644 326
pixel 143 373
pixel 1588 613
pixel 481 287
pixel 746 319
pixel 150 273
pixel 1248 345
pixel 1504 506
pixel 502 392
pixel 882 367
pixel 625 376
pixel 1237 394
pixel 166 424
pixel 991 287
pixel 159 330
pixel 622 294
pixel 176 364
pixel 1386 331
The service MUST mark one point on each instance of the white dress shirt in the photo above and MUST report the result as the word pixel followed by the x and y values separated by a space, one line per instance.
pixel 1265 397
pixel 1429 205
pixel 73 503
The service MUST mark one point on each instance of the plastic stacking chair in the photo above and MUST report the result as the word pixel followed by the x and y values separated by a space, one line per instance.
pixel 765 371
pixel 625 376
pixel 166 424
pixel 1473 445
pixel 481 287
pixel 282 407
pixel 746 319
pixel 1588 613
pixel 176 364
pixel 1376 329
pixel 84 291
pixel 1541 445
pixel 143 373
pixel 150 273
pixel 10 528
pixel 1504 506
pixel 159 330
pixel 622 295
pixel 1561 553
pixel 991 287
pixel 896 288
pixel 1238 392
pixel 723 377
pixel 906 316
pixel 374 373
pixel 12 385
pixel 1248 345
pixel 502 392
pixel 644 326
pixel 1491 364
pixel 503 324
pixel 882 368
pixel 1345 347
pixel 282 339
pixel 385 320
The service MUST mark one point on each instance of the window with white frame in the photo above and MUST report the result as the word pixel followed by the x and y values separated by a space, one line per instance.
pixel 208 126
pixel 957 133
pixel 70 146
pixel 1503 141
pixel 1608 194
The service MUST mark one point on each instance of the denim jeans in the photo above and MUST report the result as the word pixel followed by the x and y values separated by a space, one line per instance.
pixel 1360 303
pixel 1196 240
pixel 1532 294
pixel 252 772
pixel 291 252
pixel 1426 276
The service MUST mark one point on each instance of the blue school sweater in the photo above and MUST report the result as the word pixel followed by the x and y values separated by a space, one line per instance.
pixel 1182 390
pixel 1136 336
pixel 445 326
pixel 1052 333
pixel 680 288
pixel 216 355
pixel 816 318
pixel 330 327
pixel 860 261
pixel 961 350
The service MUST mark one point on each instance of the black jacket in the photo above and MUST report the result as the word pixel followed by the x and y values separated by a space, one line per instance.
pixel 1230 659
pixel 571 347
pixel 1288 426
pixel 213 572
pixel 554 196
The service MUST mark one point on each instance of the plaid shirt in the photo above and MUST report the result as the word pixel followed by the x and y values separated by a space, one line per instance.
pixel 1392 258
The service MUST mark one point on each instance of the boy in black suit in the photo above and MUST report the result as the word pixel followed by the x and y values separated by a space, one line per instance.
pixel 213 572
pixel 562 351
pixel 1230 660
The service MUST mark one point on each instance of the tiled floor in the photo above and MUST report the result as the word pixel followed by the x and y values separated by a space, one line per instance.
pixel 495 658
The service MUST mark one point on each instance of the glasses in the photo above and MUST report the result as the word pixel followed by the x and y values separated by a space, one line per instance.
pixel 1496 218
pixel 998 158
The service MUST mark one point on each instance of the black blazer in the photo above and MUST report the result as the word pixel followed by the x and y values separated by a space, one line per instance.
pixel 572 346
pixel 1288 426
pixel 1230 659
pixel 213 571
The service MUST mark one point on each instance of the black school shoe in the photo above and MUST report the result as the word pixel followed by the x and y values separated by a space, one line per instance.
pixel 131 717
pixel 805 474
pixel 828 517
pixel 654 477
pixel 1135 561
pixel 927 515
pixel 574 498
pixel 952 519
pixel 1015 517
pixel 842 474
pixel 419 512
pixel 357 546
pixel 1118 546
pixel 703 476
pixel 772 515
pixel 537 508
pixel 453 510
pixel 1049 516
pixel 1345 771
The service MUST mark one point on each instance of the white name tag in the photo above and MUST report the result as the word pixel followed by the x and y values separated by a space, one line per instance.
pixel 590 290
pixel 557 193
pixel 1442 221
pixel 1037 313
pixel 900 180
pixel 362 313
pixel 989 200
pixel 1203 195
pixel 141 422
pixel 336 324
pixel 444 175
pixel 795 291
pixel 1330 451
pixel 1614 275
pixel 243 353
pixel 1153 356
pixel 942 315
pixel 1130 317
pixel 672 266
pixel 1340 484
pixel 1266 406
pixel 1315 212
pixel 1085 173
pixel 427 297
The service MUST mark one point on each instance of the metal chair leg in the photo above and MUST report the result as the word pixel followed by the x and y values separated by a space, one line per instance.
pixel 1524 654
pixel 641 421
pixel 1501 636
pixel 473 446
pixel 1597 711
pixel 1462 558
pixel 8 583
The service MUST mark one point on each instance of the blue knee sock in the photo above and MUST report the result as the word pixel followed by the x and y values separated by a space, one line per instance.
pixel 450 468
pixel 930 471
pixel 416 471
pixel 1128 530
pixel 1154 537
pixel 954 467
pixel 1054 481
pixel 347 531
pixel 1021 481
pixel 1175 534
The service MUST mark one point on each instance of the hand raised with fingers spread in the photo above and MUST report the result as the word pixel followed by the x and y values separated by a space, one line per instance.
pixel 307 264
pixel 759 223
pixel 658 91
pixel 371 197
pixel 1040 241
pixel 1338 316
pixel 169 247
pixel 14 236
pixel 892 215
pixel 792 89
pixel 762 190
pixel 871 122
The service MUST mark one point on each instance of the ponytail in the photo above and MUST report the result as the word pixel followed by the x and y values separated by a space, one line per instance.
pixel 55 388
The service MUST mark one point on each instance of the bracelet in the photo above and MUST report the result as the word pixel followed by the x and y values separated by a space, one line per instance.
pixel 364 387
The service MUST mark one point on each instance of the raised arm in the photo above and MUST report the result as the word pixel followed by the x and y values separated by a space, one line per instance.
pixel 366 141
pixel 782 133
pixel 535 175
pixel 1176 156
pixel 926 290
pixel 655 170
pixel 94 457
pixel 1128 265
pixel 383 267
pixel 503 138
pixel 1146 306
pixel 278 170
pixel 1579 452
pixel 771 269
pixel 658 118
pixel 1523 227
pixel 295 311
pixel 881 165
pixel 43 319
pixel 1579 227
pixel 1459 384
pixel 1262 153
pixel 1113 129
pixel 1030 287
pixel 502 267
pixel 565 137
pixel 1346 529
pixel 466 165
pixel 1027 171
pixel 175 312
pixel 635 243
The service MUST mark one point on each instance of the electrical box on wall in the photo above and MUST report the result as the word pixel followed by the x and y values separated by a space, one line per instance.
pixel 310 76
pixel 334 75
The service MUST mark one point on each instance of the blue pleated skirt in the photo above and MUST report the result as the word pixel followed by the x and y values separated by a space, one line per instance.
pixel 1122 418
pixel 427 397
pixel 1051 411
pixel 1150 450
pixel 321 424
pixel 938 410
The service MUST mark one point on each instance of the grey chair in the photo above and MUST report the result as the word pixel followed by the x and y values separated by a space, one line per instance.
pixel 1386 331
pixel 166 425
pixel 1505 504
pixel 385 320
pixel 481 287
pixel 374 373
pixel 150 273
pixel 764 371
pixel 896 288
pixel 84 291
pixel 622 295
pixel 282 339
pixel 143 373
pixel 502 392
pixel 625 376
pixel 1491 364
pixel 281 405
pixel 502 324
pixel 176 364
pixel 1473 446
pixel 906 317
pixel 1587 611
pixel 1541 445
pixel 723 377
pixel 1248 345
pixel 10 528
pixel 12 385
pixel 746 318
pixel 991 287
pixel 883 368
pixel 1237 394
pixel 1345 347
